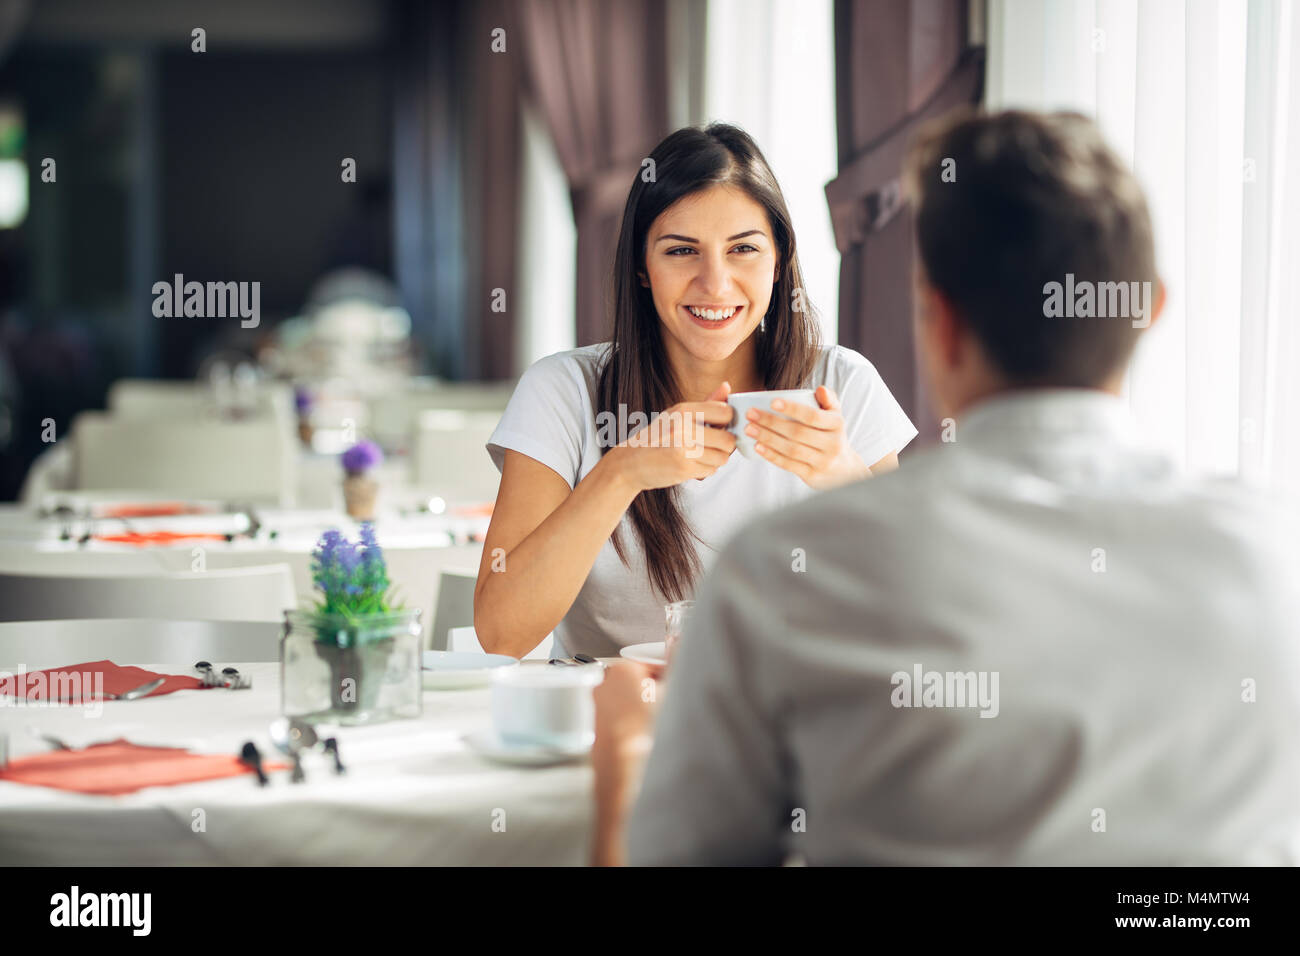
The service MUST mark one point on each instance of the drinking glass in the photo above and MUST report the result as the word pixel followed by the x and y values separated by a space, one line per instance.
pixel 675 616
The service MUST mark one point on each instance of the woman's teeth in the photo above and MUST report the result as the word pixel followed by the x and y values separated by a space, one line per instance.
pixel 713 315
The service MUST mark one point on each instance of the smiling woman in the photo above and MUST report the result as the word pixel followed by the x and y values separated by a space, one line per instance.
pixel 719 282
pixel 709 300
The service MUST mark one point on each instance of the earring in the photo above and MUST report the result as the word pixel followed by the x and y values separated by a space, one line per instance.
pixel 762 324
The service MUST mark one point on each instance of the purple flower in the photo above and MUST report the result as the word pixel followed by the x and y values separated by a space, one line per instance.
pixel 302 400
pixel 351 576
pixel 347 557
pixel 361 457
pixel 371 553
pixel 327 546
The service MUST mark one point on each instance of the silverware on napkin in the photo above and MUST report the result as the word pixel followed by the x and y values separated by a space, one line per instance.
pixel 133 694
pixel 229 677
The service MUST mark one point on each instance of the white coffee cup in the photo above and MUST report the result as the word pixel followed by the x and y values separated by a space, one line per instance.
pixel 546 706
pixel 742 402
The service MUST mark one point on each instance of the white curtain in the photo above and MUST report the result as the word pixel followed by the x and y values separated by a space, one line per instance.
pixel 1203 100
pixel 547 242
pixel 546 248
pixel 784 97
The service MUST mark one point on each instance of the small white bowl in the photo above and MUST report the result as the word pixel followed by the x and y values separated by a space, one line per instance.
pixel 455 670
pixel 652 652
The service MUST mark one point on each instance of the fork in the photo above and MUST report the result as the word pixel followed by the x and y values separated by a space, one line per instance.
pixel 134 693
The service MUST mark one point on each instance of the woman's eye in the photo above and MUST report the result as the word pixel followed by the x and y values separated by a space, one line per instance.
pixel 743 247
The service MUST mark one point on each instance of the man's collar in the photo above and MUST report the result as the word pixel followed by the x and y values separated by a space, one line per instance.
pixel 1048 411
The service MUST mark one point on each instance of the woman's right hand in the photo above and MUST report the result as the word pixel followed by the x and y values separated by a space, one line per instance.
pixel 688 440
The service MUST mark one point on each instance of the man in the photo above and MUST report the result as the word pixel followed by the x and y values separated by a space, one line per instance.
pixel 1033 644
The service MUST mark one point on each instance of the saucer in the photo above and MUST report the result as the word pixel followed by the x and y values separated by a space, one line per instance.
pixel 486 743
pixel 453 670
pixel 648 653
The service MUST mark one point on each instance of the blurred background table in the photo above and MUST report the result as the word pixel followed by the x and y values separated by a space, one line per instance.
pixel 420 547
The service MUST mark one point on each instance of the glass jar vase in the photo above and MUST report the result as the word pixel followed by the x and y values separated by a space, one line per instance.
pixel 360 671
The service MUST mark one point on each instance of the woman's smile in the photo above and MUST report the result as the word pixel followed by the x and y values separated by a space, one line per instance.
pixel 713 317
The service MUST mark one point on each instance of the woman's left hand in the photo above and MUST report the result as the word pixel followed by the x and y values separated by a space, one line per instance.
pixel 811 446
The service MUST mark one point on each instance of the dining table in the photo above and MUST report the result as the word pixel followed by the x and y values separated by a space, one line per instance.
pixel 418 544
pixel 412 791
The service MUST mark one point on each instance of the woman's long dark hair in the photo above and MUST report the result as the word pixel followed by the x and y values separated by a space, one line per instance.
pixel 638 375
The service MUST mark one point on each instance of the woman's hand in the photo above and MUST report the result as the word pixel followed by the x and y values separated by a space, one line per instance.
pixel 679 443
pixel 811 446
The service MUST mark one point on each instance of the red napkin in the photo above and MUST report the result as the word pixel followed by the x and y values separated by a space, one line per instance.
pixel 144 539
pixel 118 767
pixel 40 685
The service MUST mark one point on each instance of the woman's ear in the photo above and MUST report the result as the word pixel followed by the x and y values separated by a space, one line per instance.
pixel 644 281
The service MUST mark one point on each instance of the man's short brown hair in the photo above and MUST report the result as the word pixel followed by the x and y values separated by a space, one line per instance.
pixel 1009 203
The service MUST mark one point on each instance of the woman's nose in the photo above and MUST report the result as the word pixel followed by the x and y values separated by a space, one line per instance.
pixel 714 277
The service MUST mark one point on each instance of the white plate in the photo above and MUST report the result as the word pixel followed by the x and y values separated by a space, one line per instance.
pixel 649 653
pixel 453 670
pixel 486 743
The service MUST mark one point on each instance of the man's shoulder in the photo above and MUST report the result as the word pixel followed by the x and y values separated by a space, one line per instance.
pixel 1242 522
pixel 875 509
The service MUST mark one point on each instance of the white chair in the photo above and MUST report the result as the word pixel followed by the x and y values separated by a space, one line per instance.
pixel 394 413
pixel 454 608
pixel 465 640
pixel 20 560
pixel 449 455
pixel 146 398
pixel 416 573
pixel 40 644
pixel 49 472
pixel 453 623
pixel 239 594
pixel 252 460
pixel 467 396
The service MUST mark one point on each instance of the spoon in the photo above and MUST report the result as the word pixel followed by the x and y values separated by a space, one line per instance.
pixel 141 691
pixel 292 737
pixel 252 758
pixel 332 747
pixel 133 694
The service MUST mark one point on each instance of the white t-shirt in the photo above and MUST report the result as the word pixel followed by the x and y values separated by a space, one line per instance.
pixel 550 419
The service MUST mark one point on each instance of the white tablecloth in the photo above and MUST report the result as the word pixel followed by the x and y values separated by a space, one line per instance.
pixel 413 794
